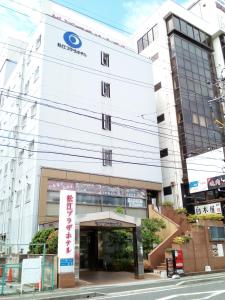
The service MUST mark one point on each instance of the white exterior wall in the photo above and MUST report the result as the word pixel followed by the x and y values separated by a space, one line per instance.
pixel 61 80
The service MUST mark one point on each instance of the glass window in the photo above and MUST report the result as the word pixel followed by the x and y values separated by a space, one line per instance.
pixel 183 26
pixel 140 45
pixel 202 121
pixel 137 203
pixel 176 23
pixel 167 190
pixel 170 25
pixel 196 34
pixel 150 36
pixel 155 32
pixel 190 31
pixel 53 197
pixel 217 233
pixel 114 201
pixel 194 118
pixel 145 41
pixel 88 199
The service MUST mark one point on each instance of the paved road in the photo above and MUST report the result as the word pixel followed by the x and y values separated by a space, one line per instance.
pixel 203 287
pixel 193 289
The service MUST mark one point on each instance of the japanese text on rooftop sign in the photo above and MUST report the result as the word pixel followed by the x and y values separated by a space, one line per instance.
pixel 66 240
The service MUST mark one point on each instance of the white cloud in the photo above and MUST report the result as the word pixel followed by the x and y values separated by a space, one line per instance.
pixel 138 12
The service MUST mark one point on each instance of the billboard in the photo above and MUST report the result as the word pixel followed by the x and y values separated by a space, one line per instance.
pixel 203 167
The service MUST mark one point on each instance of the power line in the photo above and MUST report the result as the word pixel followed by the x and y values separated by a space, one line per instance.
pixel 167 136
pixel 97 158
pixel 96 151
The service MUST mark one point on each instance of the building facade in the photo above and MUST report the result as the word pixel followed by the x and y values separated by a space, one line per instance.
pixel 187 51
pixel 70 119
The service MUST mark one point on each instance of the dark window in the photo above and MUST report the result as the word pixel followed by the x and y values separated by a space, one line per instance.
pixel 114 201
pixel 157 86
pixel 167 190
pixel 164 152
pixel 105 89
pixel 105 59
pixel 160 118
pixel 217 233
pixel 107 157
pixel 106 122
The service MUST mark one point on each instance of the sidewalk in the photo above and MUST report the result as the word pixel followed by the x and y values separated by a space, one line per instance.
pixel 92 291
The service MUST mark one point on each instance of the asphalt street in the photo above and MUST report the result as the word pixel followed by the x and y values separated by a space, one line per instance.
pixel 194 288
pixel 201 287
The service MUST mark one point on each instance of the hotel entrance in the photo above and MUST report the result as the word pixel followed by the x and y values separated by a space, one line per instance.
pixel 109 242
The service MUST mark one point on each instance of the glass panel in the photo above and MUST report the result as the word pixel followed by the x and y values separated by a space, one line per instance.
pixel 196 34
pixel 53 197
pixel 145 41
pixel 88 199
pixel 176 23
pixel 114 201
pixel 183 26
pixel 150 36
pixel 133 202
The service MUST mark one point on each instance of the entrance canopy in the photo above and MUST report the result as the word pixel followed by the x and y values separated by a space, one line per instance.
pixel 108 219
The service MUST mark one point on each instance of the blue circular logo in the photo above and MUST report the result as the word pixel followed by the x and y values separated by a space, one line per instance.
pixel 72 39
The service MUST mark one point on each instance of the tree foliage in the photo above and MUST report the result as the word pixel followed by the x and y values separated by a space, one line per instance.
pixel 149 230
pixel 40 238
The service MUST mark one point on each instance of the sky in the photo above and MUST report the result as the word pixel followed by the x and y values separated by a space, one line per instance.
pixel 19 17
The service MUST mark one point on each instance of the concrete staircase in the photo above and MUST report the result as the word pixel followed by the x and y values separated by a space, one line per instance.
pixel 175 225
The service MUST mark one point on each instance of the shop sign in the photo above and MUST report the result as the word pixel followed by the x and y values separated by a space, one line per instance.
pixel 216 182
pixel 108 223
pixel 135 193
pixel 132 202
pixel 96 189
pixel 213 208
pixel 198 186
pixel 54 185
pixel 66 240
pixel 112 191
pixel 88 188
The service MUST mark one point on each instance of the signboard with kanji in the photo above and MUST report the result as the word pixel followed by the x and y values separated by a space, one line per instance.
pixel 213 208
pixel 66 241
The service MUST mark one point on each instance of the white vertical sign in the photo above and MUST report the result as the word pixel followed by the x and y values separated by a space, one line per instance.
pixel 66 240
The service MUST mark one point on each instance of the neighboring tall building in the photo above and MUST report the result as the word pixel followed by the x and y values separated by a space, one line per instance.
pixel 70 120
pixel 186 47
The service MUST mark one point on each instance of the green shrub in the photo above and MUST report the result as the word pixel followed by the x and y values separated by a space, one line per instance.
pixel 194 218
pixel 40 238
pixel 167 203
pixel 120 210
pixel 52 243
pixel 181 239
pixel 181 210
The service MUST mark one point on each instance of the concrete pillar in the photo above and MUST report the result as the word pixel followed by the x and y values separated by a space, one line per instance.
pixel 138 253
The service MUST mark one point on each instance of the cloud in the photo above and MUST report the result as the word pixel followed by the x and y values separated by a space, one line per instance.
pixel 138 11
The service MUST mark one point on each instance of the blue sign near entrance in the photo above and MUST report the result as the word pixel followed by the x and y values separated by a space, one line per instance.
pixel 65 262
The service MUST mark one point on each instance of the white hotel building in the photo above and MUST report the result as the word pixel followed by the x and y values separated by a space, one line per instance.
pixel 70 112
pixel 187 49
